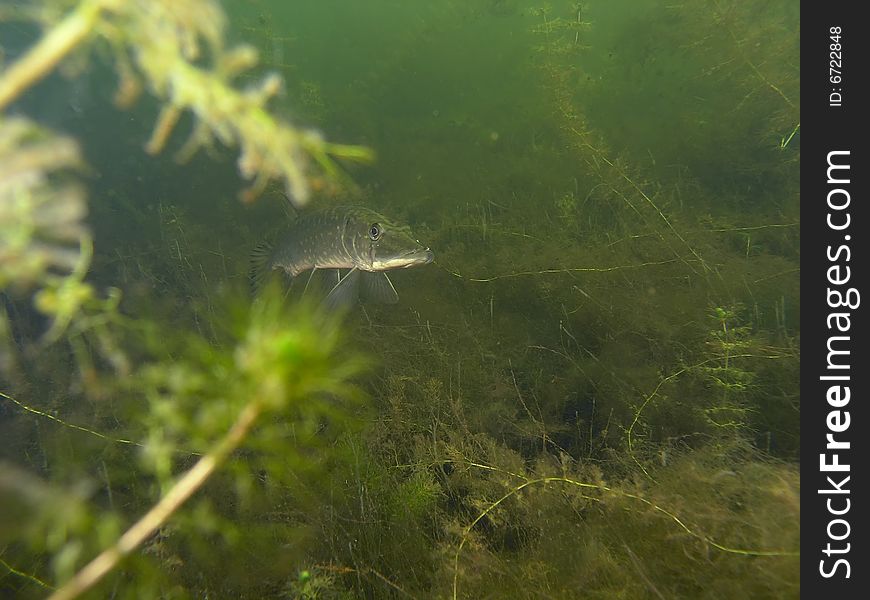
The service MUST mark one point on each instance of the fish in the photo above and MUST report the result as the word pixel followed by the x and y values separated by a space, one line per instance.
pixel 355 239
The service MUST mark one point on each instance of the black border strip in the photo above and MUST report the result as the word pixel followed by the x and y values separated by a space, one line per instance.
pixel 834 259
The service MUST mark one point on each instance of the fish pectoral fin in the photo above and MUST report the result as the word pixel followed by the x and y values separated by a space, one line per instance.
pixel 345 292
pixel 377 287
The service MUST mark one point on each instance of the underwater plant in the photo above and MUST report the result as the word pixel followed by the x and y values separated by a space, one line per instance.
pixel 276 359
pixel 591 393
pixel 161 46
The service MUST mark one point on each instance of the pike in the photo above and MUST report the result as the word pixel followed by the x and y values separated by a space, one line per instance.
pixel 356 239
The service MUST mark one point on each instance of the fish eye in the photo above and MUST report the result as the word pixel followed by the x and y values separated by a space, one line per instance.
pixel 375 232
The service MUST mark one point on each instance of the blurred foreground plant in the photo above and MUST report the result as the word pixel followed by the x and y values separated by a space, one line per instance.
pixel 163 44
pixel 280 369
pixel 276 366
pixel 43 242
pixel 201 397
pixel 39 223
pixel 197 400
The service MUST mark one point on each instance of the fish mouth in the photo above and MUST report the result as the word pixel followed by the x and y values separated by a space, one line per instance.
pixel 425 256
pixel 412 258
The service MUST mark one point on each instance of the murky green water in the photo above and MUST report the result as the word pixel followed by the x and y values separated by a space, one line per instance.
pixel 591 393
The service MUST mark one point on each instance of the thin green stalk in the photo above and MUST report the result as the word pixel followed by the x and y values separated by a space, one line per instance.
pixel 50 50
pixel 94 571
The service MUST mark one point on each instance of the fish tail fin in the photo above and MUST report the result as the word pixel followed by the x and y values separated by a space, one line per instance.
pixel 261 256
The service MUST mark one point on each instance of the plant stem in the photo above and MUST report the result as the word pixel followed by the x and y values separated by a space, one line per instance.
pixel 94 571
pixel 49 51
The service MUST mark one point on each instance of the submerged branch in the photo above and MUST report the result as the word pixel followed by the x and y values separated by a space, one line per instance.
pixel 94 571
pixel 50 50
pixel 161 45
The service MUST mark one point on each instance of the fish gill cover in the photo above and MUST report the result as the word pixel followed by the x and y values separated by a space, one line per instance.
pixel 591 393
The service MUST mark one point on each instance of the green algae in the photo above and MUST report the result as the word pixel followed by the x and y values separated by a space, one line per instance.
pixel 592 393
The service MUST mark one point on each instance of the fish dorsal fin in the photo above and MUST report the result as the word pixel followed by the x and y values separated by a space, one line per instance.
pixel 345 292
pixel 377 287
pixel 259 268
pixel 290 211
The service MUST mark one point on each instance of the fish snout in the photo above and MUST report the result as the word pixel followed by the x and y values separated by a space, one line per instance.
pixel 422 256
